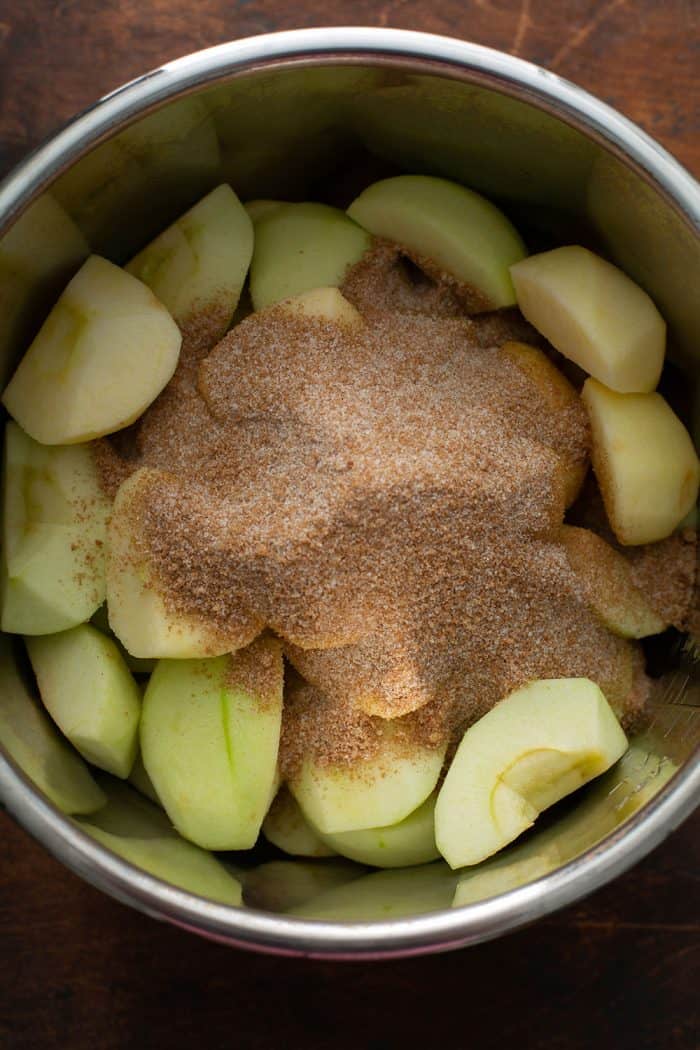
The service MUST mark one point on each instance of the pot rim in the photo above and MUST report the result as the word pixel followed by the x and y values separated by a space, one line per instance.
pixel 437 931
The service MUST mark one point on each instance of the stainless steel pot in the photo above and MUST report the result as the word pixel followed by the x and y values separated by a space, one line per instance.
pixel 294 113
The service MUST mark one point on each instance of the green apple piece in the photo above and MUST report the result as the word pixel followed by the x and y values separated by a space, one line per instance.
pixel 626 787
pixel 54 530
pixel 140 833
pixel 89 692
pixel 209 739
pixel 690 521
pixel 38 254
pixel 537 745
pixel 411 841
pixel 43 242
pixel 283 884
pixel 325 304
pixel 455 229
pixel 384 895
pixel 198 265
pixel 516 867
pixel 100 620
pixel 31 739
pixel 645 462
pixel 102 356
pixel 375 792
pixel 299 247
pixel 139 778
pixel 258 209
pixel 559 396
pixel 595 315
pixel 138 614
pixel 605 577
pixel 286 827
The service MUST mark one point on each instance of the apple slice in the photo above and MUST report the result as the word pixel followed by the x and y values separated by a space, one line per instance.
pixel 137 831
pixel 536 746
pixel 139 615
pixel 411 841
pixel 100 620
pixel 139 778
pixel 31 739
pixel 559 396
pixel 595 315
pixel 209 739
pixel 286 827
pixel 102 356
pixel 54 530
pixel 517 867
pixel 441 223
pixel 42 244
pixel 259 208
pixel 38 254
pixel 373 792
pixel 383 895
pixel 606 579
pixel 89 692
pixel 299 247
pixel 198 265
pixel 326 304
pixel 644 460
pixel 284 884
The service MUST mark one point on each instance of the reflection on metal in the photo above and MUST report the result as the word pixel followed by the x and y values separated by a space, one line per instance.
pixel 651 242
pixel 38 256
pixel 499 145
pixel 292 115
pixel 133 185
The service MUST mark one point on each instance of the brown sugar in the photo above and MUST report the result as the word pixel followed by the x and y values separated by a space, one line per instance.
pixel 386 499
pixel 666 572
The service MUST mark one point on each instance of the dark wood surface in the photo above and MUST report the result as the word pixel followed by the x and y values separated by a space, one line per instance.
pixel 620 970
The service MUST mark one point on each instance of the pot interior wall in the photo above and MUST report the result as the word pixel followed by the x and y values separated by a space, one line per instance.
pixel 324 132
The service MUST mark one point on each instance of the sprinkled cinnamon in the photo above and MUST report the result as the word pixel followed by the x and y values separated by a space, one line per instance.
pixel 386 499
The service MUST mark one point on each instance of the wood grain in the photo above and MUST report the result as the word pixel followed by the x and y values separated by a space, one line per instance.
pixel 58 56
pixel 620 969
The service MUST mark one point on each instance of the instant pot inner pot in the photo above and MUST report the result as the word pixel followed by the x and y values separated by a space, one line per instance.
pixel 323 133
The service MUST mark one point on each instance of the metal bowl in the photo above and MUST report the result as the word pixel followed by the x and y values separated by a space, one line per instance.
pixel 290 115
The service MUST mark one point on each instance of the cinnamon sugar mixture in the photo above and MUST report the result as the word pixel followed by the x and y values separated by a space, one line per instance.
pixel 385 498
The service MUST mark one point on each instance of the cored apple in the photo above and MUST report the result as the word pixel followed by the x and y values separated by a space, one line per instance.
pixel 286 827
pixel 139 832
pixel 209 739
pixel 91 695
pixel 645 462
pixel 533 748
pixel 559 396
pixel 141 618
pixel 54 531
pixel 197 266
pixel 326 304
pixel 595 315
pixel 373 792
pixel 299 247
pixel 101 357
pixel 31 739
pixel 606 579
pixel 411 841
pixel 452 228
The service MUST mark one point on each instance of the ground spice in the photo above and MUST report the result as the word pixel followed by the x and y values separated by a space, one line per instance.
pixel 386 499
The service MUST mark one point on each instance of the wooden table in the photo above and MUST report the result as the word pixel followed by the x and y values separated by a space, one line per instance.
pixel 619 970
